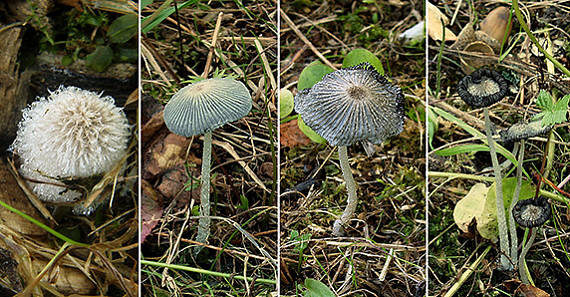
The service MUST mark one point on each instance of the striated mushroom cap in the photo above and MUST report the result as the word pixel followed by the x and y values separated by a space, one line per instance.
pixel 524 130
pixel 206 105
pixel 352 104
pixel 532 212
pixel 482 88
pixel 73 133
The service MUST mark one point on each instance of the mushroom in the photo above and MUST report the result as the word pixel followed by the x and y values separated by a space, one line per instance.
pixel 350 105
pixel 530 213
pixel 483 88
pixel 73 134
pixel 198 109
pixel 520 132
pixel 524 130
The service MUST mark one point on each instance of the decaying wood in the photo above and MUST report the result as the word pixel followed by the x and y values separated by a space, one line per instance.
pixel 13 86
pixel 11 194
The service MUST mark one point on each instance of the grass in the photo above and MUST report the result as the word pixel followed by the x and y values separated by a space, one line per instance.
pixel 390 212
pixel 451 176
pixel 84 255
pixel 241 247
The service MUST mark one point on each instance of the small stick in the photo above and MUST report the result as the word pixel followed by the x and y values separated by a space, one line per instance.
pixel 384 271
pixel 305 40
pixel 212 46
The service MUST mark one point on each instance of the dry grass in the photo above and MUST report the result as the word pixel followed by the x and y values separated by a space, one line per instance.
pixel 243 238
pixel 390 214
pixel 450 250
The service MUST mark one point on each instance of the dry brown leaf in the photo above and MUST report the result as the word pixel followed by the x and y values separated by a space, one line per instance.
pixel 531 291
pixel 291 136
pixel 435 30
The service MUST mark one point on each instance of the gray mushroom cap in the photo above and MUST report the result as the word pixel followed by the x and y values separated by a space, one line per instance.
pixel 206 105
pixel 352 104
pixel 532 212
pixel 482 88
pixel 524 130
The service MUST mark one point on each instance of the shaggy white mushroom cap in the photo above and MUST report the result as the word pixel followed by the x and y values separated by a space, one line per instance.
pixel 72 133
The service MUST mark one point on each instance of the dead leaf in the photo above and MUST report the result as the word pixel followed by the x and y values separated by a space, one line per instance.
pixel 435 29
pixel 166 154
pixel 151 209
pixel 531 291
pixel 291 136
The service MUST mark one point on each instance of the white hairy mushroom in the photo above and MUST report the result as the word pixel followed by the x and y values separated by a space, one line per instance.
pixel 73 133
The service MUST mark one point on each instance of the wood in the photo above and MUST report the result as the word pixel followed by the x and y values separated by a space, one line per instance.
pixel 13 86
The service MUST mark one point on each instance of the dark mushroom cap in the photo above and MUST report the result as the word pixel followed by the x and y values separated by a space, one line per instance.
pixel 532 212
pixel 352 104
pixel 206 105
pixel 524 130
pixel 482 88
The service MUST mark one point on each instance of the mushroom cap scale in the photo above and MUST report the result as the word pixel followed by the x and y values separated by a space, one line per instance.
pixel 532 212
pixel 352 104
pixel 482 88
pixel 206 105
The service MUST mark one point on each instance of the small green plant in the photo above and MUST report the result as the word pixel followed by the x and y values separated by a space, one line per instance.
pixel 552 112
pixel 302 242
pixel 315 288
pixel 99 37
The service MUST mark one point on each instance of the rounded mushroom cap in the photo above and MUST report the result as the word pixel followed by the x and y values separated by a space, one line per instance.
pixel 532 212
pixel 206 105
pixel 352 104
pixel 482 88
pixel 71 133
pixel 524 130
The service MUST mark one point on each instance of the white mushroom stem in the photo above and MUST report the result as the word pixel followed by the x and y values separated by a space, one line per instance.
pixel 523 269
pixel 204 221
pixel 338 230
pixel 501 218
pixel 512 226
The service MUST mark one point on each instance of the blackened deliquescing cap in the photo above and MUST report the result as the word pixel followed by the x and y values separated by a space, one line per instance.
pixel 352 104
pixel 532 212
pixel 206 105
pixel 482 88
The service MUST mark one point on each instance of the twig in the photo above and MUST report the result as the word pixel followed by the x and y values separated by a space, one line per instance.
pixel 212 46
pixel 305 40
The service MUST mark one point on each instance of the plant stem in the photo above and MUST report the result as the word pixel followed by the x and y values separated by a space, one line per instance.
pixel 523 269
pixel 501 218
pixel 208 272
pixel 467 273
pixel 533 39
pixel 512 226
pixel 350 188
pixel 204 221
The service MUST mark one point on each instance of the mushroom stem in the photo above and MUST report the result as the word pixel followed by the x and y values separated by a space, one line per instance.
pixel 501 218
pixel 523 269
pixel 204 221
pixel 351 189
pixel 512 226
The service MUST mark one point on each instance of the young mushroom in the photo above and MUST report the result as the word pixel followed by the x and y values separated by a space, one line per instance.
pixel 198 109
pixel 530 213
pixel 483 88
pixel 350 105
pixel 72 134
